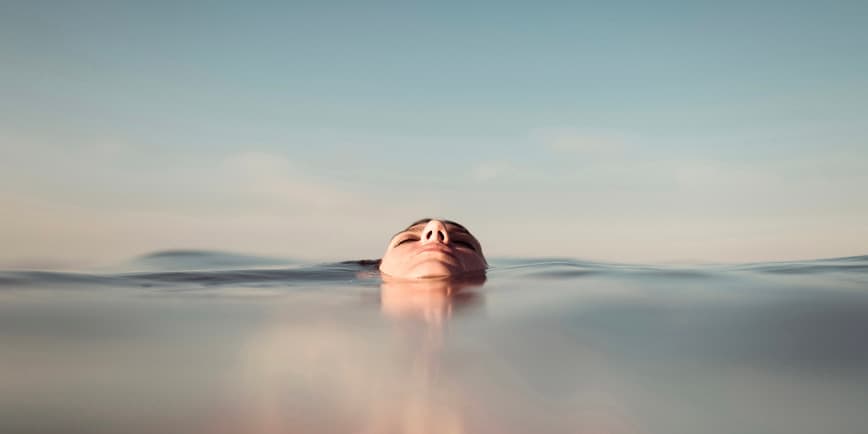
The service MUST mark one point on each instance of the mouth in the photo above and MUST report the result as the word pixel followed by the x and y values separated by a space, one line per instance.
pixel 436 248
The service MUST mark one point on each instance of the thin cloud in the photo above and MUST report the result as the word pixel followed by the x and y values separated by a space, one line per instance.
pixel 489 170
pixel 594 144
pixel 273 180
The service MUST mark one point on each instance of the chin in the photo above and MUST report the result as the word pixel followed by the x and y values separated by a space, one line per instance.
pixel 434 269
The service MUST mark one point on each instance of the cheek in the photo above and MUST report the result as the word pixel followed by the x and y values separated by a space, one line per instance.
pixel 395 256
pixel 390 263
pixel 472 261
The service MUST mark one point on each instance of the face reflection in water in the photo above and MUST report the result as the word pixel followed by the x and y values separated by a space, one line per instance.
pixel 382 378
pixel 430 300
pixel 431 248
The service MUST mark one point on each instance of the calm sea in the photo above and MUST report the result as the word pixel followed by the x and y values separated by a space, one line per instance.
pixel 203 342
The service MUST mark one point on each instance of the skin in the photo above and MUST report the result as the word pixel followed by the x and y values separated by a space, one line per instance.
pixel 432 248
pixel 431 300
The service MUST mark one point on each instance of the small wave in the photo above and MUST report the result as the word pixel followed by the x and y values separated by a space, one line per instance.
pixel 849 264
pixel 201 260
pixel 308 275
pixel 53 278
pixel 314 274
pixel 810 268
pixel 561 268
pixel 208 268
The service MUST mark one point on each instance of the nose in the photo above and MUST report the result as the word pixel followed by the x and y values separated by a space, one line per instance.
pixel 435 231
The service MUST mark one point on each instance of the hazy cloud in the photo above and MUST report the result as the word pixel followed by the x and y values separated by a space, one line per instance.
pixel 584 143
pixel 489 170
pixel 275 180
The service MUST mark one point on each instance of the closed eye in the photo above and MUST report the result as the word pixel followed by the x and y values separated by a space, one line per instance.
pixel 406 240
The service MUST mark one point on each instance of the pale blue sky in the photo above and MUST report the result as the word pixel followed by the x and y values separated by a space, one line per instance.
pixel 633 131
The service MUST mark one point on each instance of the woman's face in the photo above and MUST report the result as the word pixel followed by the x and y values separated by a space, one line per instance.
pixel 433 248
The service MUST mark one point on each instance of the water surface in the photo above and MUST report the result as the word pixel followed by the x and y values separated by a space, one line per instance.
pixel 215 343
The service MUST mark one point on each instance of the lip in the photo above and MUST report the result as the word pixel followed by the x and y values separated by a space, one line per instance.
pixel 436 248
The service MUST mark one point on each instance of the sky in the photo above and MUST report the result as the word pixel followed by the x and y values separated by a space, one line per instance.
pixel 654 132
